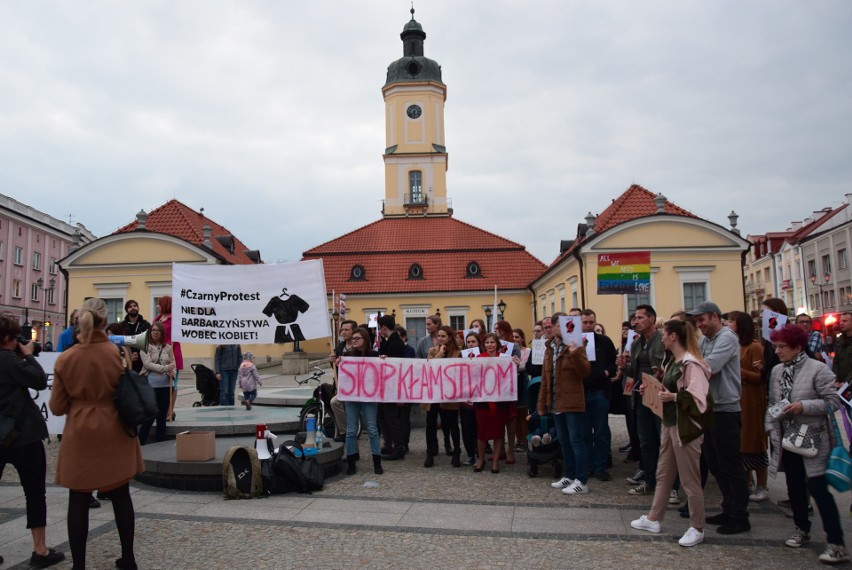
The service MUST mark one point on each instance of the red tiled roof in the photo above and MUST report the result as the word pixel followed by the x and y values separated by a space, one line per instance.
pixel 442 246
pixel 179 220
pixel 635 202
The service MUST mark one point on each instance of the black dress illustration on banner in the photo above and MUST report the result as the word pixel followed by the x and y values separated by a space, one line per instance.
pixel 286 309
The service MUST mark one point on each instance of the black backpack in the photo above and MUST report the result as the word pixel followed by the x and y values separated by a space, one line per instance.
pixel 134 399
pixel 241 474
pixel 299 474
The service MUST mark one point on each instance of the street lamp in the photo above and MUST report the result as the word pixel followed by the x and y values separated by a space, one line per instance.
pixel 44 322
pixel 501 306
pixel 826 277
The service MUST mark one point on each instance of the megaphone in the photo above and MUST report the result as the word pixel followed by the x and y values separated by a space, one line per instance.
pixel 137 341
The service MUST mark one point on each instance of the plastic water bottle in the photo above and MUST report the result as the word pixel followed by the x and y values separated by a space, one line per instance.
pixel 319 438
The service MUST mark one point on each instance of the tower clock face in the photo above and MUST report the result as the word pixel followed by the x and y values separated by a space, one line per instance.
pixel 414 111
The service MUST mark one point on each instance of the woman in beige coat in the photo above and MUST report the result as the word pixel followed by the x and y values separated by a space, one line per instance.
pixel 96 451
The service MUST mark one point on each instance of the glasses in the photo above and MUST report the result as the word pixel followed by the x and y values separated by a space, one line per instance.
pixel 354 338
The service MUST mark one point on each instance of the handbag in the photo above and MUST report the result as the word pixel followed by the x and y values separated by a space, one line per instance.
pixel 134 399
pixel 10 427
pixel 838 472
pixel 802 439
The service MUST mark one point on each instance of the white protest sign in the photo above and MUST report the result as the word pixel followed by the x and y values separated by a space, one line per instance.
pixel 470 352
pixel 418 380
pixel 373 321
pixel 571 329
pixel 631 336
pixel 263 304
pixel 772 321
pixel 55 424
pixel 506 349
pixel 538 348
pixel 589 343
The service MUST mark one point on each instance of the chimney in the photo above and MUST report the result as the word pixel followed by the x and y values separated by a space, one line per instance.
pixel 590 225
pixel 141 219
pixel 208 231
pixel 660 202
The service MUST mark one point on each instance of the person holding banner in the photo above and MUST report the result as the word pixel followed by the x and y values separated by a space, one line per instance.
pixel 467 412
pixel 445 348
pixel 363 411
pixel 684 395
pixel 20 371
pixel 491 417
pixel 390 414
pixel 96 451
pixel 561 394
pixel 164 305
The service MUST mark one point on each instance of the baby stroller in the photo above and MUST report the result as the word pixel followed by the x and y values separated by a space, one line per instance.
pixel 546 452
pixel 207 384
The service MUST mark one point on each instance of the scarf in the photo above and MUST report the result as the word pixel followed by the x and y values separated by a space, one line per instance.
pixel 788 372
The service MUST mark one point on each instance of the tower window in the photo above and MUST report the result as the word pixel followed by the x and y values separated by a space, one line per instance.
pixel 415 187
pixel 415 271
pixel 357 273
pixel 473 270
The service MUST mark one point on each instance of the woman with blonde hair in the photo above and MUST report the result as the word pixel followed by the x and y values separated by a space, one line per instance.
pixel 97 452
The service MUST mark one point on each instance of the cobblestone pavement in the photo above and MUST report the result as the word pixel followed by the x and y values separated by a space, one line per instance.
pixel 441 517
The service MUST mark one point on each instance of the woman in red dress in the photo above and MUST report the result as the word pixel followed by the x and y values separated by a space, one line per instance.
pixel 490 416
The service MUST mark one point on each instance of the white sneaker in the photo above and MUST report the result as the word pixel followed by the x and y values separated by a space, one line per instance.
pixel 834 553
pixel 759 495
pixel 691 537
pixel 644 523
pixel 674 499
pixel 576 488
pixel 562 483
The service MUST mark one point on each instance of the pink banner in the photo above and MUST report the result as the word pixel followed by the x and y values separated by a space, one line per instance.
pixel 426 381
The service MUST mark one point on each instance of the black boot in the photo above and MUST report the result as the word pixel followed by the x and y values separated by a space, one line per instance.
pixel 430 460
pixel 351 469
pixel 377 465
pixel 456 458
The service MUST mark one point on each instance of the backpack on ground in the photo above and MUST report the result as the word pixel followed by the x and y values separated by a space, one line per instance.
pixel 241 474
pixel 295 472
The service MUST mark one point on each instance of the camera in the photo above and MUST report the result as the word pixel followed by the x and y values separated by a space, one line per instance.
pixel 36 345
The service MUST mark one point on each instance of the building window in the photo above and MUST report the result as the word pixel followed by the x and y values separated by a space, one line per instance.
pixel 16 288
pixel 415 187
pixel 54 266
pixel 826 264
pixel 842 262
pixel 34 292
pixel 636 299
pixel 693 294
pixel 1 251
pixel 457 322
pixel 473 270
pixel 357 273
pixel 51 296
pixel 36 261
pixel 19 255
pixel 115 310
pixel 415 271
pixel 812 270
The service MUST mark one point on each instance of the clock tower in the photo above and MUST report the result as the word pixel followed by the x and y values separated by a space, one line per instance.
pixel 415 156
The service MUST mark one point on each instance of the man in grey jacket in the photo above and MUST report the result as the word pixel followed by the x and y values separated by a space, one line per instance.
pixel 721 449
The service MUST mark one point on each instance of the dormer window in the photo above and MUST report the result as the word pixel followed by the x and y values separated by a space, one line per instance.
pixel 357 273
pixel 415 271
pixel 473 270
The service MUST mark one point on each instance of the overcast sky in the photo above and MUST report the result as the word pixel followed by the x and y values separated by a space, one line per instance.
pixel 269 114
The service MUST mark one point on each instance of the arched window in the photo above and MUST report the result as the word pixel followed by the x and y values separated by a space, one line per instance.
pixel 357 273
pixel 415 187
pixel 415 271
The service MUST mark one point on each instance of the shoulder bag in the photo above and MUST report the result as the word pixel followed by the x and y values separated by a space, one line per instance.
pixel 838 472
pixel 134 399
pixel 802 439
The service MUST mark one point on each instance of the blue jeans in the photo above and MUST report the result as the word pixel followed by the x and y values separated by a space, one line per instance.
pixel 250 395
pixel 226 387
pixel 569 430
pixel 596 430
pixel 366 411
pixel 648 426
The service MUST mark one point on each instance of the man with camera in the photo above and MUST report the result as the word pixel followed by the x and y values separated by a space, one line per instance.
pixel 22 429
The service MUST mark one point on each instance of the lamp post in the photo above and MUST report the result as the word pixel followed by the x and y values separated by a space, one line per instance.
pixel 488 319
pixel 826 278
pixel 501 306
pixel 26 328
pixel 44 325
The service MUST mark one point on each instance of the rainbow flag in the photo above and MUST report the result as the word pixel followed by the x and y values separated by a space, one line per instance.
pixel 624 273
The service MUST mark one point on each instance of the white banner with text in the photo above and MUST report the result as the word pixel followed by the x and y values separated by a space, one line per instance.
pixel 258 304
pixel 426 381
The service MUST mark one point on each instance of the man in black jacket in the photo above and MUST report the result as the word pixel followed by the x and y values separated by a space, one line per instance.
pixel 133 324
pixel 19 371
pixel 390 413
pixel 597 388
